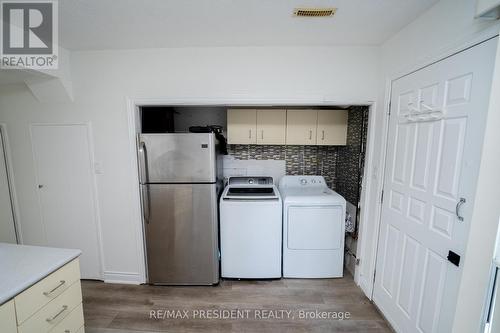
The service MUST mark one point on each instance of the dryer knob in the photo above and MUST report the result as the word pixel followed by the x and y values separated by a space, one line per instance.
pixel 303 181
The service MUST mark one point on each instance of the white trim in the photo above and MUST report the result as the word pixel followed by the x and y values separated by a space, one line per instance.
pixel 132 112
pixel 132 109
pixel 368 255
pixel 245 101
pixel 11 184
pixel 122 277
pixel 95 202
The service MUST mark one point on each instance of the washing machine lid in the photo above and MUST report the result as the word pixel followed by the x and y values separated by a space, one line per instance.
pixel 250 188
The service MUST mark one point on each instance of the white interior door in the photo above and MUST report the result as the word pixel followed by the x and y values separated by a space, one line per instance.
pixel 431 164
pixel 7 226
pixel 66 189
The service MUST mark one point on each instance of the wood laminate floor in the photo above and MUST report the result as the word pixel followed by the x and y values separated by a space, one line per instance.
pixel 264 306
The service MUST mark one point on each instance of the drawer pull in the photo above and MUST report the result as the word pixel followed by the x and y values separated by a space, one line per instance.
pixel 64 308
pixel 61 283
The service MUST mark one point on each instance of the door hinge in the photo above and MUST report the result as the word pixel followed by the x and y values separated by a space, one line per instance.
pixel 374 274
pixel 382 197
pixel 389 111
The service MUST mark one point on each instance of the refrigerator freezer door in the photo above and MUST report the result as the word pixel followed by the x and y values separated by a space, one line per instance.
pixel 182 234
pixel 178 157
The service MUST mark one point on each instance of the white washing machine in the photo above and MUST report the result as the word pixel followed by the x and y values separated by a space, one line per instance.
pixel 250 229
pixel 313 228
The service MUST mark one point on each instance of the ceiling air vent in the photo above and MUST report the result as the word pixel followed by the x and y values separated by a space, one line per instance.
pixel 314 12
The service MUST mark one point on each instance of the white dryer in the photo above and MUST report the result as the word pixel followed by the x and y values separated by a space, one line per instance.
pixel 313 228
pixel 250 229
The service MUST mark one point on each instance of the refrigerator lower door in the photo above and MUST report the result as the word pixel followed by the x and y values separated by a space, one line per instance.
pixel 182 234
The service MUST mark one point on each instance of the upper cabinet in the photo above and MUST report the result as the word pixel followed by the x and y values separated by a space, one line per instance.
pixel 291 127
pixel 271 126
pixel 250 126
pixel 301 127
pixel 241 126
pixel 332 127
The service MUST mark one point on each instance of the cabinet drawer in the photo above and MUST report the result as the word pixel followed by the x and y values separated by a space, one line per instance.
pixel 41 293
pixel 8 318
pixel 72 323
pixel 54 312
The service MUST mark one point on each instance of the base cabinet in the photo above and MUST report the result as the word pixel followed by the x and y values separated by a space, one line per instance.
pixel 54 304
pixel 8 317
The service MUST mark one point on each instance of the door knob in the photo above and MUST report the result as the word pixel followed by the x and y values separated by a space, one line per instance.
pixel 40 186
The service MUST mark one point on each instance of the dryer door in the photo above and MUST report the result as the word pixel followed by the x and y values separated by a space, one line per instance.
pixel 315 228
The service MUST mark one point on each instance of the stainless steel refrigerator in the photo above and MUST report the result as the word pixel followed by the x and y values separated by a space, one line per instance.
pixel 179 190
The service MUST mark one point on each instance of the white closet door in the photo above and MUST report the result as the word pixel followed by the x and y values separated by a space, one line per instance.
pixel 7 229
pixel 66 189
pixel 431 165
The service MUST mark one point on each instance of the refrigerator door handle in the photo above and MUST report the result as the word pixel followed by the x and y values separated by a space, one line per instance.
pixel 142 162
pixel 145 203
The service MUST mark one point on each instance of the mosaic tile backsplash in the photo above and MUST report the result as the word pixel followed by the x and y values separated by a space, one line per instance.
pixel 350 158
pixel 340 165
pixel 300 160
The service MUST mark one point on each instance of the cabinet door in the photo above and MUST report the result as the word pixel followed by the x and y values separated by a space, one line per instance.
pixel 301 127
pixel 241 126
pixel 271 126
pixel 332 127
pixel 8 318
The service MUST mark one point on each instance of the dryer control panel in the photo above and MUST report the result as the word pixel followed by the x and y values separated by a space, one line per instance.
pixel 302 181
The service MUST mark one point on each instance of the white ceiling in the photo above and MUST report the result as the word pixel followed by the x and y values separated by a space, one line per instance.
pixel 129 24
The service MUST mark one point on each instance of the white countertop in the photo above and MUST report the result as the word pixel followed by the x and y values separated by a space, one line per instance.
pixel 21 266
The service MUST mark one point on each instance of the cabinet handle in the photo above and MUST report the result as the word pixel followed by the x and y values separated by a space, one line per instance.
pixel 310 134
pixel 50 320
pixel 61 283
pixel 262 134
pixel 249 133
pixel 323 135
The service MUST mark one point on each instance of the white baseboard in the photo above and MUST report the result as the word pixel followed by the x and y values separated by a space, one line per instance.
pixel 122 277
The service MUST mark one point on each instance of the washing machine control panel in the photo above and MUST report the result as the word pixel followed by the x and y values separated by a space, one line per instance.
pixel 251 181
